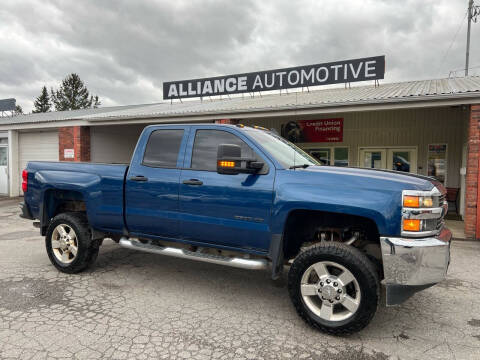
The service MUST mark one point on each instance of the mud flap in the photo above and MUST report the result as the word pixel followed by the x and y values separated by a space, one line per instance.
pixel 276 255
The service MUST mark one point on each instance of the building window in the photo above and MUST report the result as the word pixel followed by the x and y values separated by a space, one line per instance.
pixel 335 156
pixel 340 156
pixel 3 156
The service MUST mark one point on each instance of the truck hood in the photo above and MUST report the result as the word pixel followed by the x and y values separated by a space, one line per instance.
pixel 374 177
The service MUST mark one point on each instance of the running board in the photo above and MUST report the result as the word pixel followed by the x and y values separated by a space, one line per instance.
pixel 250 264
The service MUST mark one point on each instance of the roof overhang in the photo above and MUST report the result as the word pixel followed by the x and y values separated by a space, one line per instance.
pixel 429 101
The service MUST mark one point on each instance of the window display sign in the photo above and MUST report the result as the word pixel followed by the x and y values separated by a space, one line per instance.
pixel 321 131
pixel 437 161
pixel 68 153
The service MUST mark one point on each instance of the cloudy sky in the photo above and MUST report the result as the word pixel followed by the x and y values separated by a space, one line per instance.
pixel 124 50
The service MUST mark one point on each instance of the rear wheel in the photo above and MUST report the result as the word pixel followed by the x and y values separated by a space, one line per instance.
pixel 69 244
pixel 334 287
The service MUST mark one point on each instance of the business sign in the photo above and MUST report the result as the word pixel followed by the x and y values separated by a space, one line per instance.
pixel 68 153
pixel 304 131
pixel 371 68
pixel 437 161
pixel 7 104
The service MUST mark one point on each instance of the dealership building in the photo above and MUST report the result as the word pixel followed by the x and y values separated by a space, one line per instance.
pixel 428 127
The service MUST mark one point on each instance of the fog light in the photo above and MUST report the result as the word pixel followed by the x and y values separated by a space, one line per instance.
pixel 411 224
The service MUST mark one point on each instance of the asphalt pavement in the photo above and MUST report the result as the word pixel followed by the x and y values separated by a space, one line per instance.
pixel 138 305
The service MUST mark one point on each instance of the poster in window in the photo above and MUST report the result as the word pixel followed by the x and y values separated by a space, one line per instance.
pixel 437 161
pixel 321 131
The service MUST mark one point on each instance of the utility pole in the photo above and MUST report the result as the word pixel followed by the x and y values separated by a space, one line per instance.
pixel 473 14
pixel 469 15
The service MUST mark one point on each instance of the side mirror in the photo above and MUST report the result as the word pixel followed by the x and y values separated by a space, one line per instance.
pixel 230 161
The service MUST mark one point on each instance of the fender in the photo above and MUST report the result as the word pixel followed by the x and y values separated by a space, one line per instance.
pixel 377 204
pixel 49 180
pixel 101 196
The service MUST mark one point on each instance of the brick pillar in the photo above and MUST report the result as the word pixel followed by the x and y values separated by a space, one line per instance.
pixel 76 140
pixel 65 142
pixel 472 211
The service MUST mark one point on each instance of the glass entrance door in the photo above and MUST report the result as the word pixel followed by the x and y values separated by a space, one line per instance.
pixel 3 170
pixel 403 160
pixel 398 159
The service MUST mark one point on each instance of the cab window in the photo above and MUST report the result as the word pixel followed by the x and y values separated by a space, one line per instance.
pixel 162 148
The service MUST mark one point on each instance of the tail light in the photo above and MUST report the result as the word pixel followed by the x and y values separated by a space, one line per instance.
pixel 25 181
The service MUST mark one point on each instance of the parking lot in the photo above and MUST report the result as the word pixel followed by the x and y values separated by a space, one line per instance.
pixel 137 305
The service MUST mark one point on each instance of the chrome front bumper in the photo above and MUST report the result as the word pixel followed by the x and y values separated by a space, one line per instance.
pixel 411 265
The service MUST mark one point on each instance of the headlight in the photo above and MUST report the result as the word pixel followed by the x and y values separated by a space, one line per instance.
pixel 423 212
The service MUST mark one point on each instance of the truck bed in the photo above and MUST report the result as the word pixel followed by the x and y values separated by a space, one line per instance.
pixel 100 186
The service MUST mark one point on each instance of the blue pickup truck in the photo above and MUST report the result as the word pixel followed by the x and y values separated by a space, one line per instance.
pixel 245 197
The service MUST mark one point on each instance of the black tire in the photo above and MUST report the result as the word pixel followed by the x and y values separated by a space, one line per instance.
pixel 362 269
pixel 87 248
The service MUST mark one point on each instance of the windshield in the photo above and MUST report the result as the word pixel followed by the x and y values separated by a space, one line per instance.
pixel 286 153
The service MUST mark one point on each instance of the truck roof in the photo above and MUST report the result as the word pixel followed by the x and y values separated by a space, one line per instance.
pixel 238 126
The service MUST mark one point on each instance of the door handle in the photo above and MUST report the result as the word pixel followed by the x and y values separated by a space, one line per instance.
pixel 139 178
pixel 193 182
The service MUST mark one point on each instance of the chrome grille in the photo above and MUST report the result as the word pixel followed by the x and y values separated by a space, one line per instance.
pixel 440 224
pixel 436 224
pixel 443 204
pixel 441 199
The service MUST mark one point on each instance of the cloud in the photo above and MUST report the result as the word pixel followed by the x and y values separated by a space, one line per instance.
pixel 124 50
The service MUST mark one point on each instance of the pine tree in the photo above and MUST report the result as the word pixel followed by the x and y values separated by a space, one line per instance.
pixel 73 95
pixel 42 103
pixel 95 101
pixel 18 110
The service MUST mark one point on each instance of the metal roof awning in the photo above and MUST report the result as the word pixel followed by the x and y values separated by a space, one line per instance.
pixel 422 93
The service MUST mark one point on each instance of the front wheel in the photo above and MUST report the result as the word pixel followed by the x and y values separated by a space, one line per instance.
pixel 334 287
pixel 69 244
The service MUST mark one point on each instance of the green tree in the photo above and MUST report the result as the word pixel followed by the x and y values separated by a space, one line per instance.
pixel 73 95
pixel 18 110
pixel 42 103
pixel 96 102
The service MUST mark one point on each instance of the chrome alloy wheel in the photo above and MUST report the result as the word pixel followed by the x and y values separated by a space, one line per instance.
pixel 330 291
pixel 64 243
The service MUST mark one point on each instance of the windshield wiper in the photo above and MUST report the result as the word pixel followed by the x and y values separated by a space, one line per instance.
pixel 303 166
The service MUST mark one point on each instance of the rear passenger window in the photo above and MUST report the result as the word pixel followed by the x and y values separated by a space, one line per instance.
pixel 162 148
pixel 204 156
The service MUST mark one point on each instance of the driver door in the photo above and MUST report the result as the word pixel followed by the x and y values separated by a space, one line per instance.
pixel 219 209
